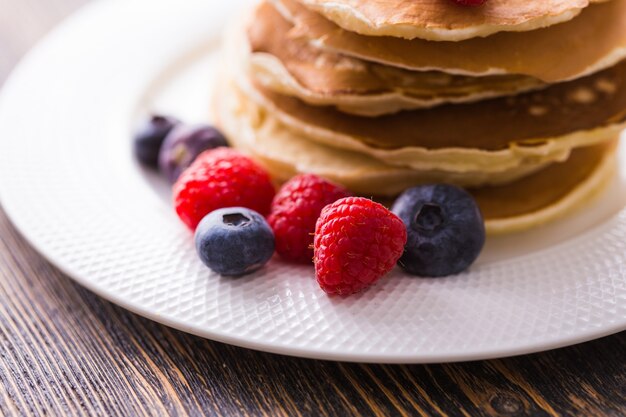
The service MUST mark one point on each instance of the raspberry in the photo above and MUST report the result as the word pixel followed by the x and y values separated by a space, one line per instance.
pixel 295 210
pixel 218 179
pixel 470 2
pixel 357 241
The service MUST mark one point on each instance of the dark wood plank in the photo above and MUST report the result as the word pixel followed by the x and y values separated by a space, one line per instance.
pixel 65 351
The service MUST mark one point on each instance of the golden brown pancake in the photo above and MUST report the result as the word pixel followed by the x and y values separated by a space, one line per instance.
pixel 442 20
pixel 542 189
pixel 293 66
pixel 594 40
pixel 529 119
pixel 288 152
pixel 517 159
pixel 535 199
pixel 548 194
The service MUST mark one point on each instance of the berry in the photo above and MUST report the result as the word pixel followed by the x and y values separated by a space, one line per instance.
pixel 234 241
pixel 183 145
pixel 357 241
pixel 446 231
pixel 221 178
pixel 470 2
pixel 149 138
pixel 295 210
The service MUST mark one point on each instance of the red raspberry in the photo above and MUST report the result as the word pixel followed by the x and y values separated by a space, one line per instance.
pixel 357 241
pixel 470 2
pixel 221 178
pixel 295 210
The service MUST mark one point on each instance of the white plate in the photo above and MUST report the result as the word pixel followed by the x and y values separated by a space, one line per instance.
pixel 69 183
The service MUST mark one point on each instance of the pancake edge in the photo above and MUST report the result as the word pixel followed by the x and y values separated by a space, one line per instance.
pixel 586 191
pixel 352 20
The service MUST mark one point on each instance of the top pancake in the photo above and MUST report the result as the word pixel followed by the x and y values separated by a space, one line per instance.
pixel 443 20
pixel 593 41
pixel 293 66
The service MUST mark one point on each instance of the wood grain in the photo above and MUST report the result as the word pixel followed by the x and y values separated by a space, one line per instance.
pixel 65 351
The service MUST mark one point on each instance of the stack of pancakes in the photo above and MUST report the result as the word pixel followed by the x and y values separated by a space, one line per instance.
pixel 519 101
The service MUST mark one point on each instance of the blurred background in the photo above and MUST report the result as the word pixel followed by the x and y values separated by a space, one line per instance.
pixel 23 22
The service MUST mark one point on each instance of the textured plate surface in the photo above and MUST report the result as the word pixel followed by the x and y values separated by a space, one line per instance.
pixel 69 182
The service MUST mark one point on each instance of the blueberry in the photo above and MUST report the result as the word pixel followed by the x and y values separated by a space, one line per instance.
pixel 184 144
pixel 234 241
pixel 446 231
pixel 149 138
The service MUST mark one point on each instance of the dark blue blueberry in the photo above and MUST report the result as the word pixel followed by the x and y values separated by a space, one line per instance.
pixel 149 138
pixel 234 241
pixel 446 230
pixel 183 145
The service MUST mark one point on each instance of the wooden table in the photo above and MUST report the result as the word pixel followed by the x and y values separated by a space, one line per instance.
pixel 65 351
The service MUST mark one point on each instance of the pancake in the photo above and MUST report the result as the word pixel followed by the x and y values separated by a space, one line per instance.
pixel 286 153
pixel 489 136
pixel 442 20
pixel 549 194
pixel 294 67
pixel 546 195
pixel 593 41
